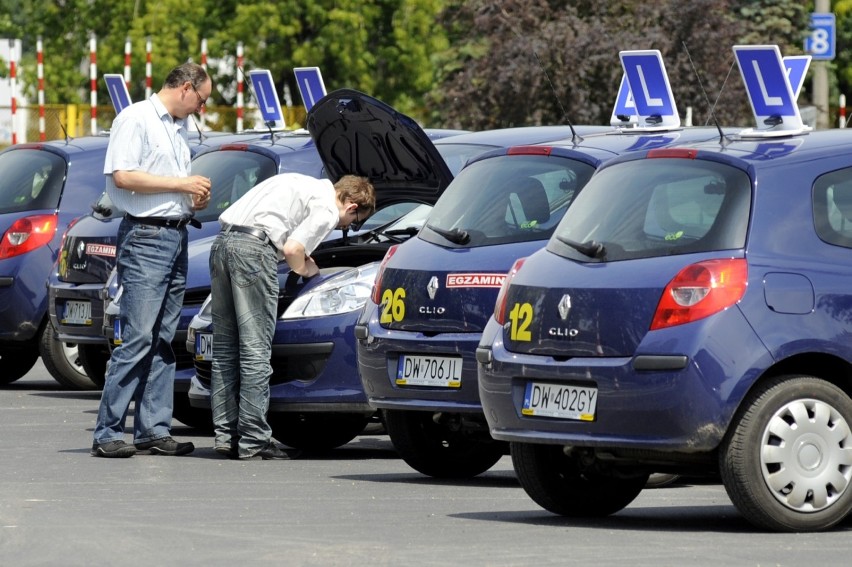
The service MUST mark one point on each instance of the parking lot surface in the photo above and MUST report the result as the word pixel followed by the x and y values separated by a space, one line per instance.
pixel 357 505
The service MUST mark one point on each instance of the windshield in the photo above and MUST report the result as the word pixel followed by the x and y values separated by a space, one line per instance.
pixel 457 155
pixel 656 207
pixel 232 173
pixel 510 198
pixel 30 180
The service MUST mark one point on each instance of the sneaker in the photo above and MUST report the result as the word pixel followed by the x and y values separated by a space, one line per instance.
pixel 271 452
pixel 113 449
pixel 166 446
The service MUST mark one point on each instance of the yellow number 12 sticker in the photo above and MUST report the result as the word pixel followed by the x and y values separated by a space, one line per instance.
pixel 521 317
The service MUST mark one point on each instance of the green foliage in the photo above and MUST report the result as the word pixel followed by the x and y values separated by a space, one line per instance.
pixel 455 63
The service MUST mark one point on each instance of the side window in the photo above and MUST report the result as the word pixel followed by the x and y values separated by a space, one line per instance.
pixel 832 202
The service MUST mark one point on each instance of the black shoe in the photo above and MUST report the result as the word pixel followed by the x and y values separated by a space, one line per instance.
pixel 271 452
pixel 229 452
pixel 166 446
pixel 113 449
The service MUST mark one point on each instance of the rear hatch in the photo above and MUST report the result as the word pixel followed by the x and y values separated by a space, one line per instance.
pixel 499 208
pixel 31 183
pixel 595 290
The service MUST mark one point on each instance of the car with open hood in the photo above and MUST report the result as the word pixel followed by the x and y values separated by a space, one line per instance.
pixel 317 401
pixel 691 313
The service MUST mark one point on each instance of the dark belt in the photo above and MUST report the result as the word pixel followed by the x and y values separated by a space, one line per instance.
pixel 166 222
pixel 256 232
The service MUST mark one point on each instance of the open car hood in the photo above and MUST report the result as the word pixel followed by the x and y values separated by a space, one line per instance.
pixel 357 134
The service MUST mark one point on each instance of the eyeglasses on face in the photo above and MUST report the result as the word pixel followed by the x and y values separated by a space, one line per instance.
pixel 201 101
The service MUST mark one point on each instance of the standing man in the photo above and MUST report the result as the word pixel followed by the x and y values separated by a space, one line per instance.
pixel 147 171
pixel 285 217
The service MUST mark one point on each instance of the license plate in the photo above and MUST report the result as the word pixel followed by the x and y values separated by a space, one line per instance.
pixel 204 346
pixel 560 401
pixel 435 371
pixel 77 313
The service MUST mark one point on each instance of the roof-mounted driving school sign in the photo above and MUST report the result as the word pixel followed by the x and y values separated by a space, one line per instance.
pixel 118 93
pixel 650 89
pixel 267 98
pixel 769 91
pixel 796 67
pixel 624 112
pixel 309 81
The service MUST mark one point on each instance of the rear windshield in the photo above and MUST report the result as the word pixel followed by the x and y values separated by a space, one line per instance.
pixel 513 198
pixel 232 174
pixel 656 207
pixel 30 180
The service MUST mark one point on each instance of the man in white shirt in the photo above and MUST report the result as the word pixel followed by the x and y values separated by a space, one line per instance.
pixel 283 218
pixel 147 169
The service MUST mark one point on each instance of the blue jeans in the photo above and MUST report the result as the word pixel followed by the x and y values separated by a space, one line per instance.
pixel 152 263
pixel 244 286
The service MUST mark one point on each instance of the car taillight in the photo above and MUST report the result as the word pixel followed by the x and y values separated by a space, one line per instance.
pixel 700 290
pixel 376 295
pixel 27 234
pixel 500 305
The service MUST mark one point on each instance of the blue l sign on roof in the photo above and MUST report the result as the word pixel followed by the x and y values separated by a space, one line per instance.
pixel 118 93
pixel 796 67
pixel 768 88
pixel 267 97
pixel 309 81
pixel 649 84
pixel 624 112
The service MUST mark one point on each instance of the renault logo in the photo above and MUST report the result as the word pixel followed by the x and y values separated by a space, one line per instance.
pixel 81 247
pixel 432 287
pixel 564 307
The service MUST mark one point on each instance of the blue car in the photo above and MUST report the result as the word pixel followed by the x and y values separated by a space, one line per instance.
pixel 691 313
pixel 87 258
pixel 317 401
pixel 43 187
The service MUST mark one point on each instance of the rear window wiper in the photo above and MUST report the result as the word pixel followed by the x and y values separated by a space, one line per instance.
pixel 591 248
pixel 456 236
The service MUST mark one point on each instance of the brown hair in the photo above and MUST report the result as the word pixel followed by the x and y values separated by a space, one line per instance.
pixel 358 190
pixel 188 72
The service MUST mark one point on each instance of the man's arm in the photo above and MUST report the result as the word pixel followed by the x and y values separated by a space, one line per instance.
pixel 299 262
pixel 144 182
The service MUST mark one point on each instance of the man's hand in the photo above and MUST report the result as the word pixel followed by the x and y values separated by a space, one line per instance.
pixel 199 188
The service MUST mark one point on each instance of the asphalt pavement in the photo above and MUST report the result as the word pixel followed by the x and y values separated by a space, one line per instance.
pixel 359 505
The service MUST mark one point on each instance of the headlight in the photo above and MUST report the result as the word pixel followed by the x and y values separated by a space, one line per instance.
pixel 344 292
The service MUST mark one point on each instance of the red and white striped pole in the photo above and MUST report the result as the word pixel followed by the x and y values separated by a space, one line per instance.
pixel 93 82
pixel 40 75
pixel 842 111
pixel 203 114
pixel 127 47
pixel 13 85
pixel 148 69
pixel 239 86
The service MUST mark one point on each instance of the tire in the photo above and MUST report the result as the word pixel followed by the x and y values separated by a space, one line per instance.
pixel 197 418
pixel 785 460
pixel 63 362
pixel 94 360
pixel 435 450
pixel 316 432
pixel 556 482
pixel 15 363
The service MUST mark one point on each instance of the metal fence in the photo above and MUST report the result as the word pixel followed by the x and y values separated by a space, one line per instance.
pixel 75 120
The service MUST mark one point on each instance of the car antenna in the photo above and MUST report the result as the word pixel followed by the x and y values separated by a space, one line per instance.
pixel 575 138
pixel 64 131
pixel 268 123
pixel 200 133
pixel 722 139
